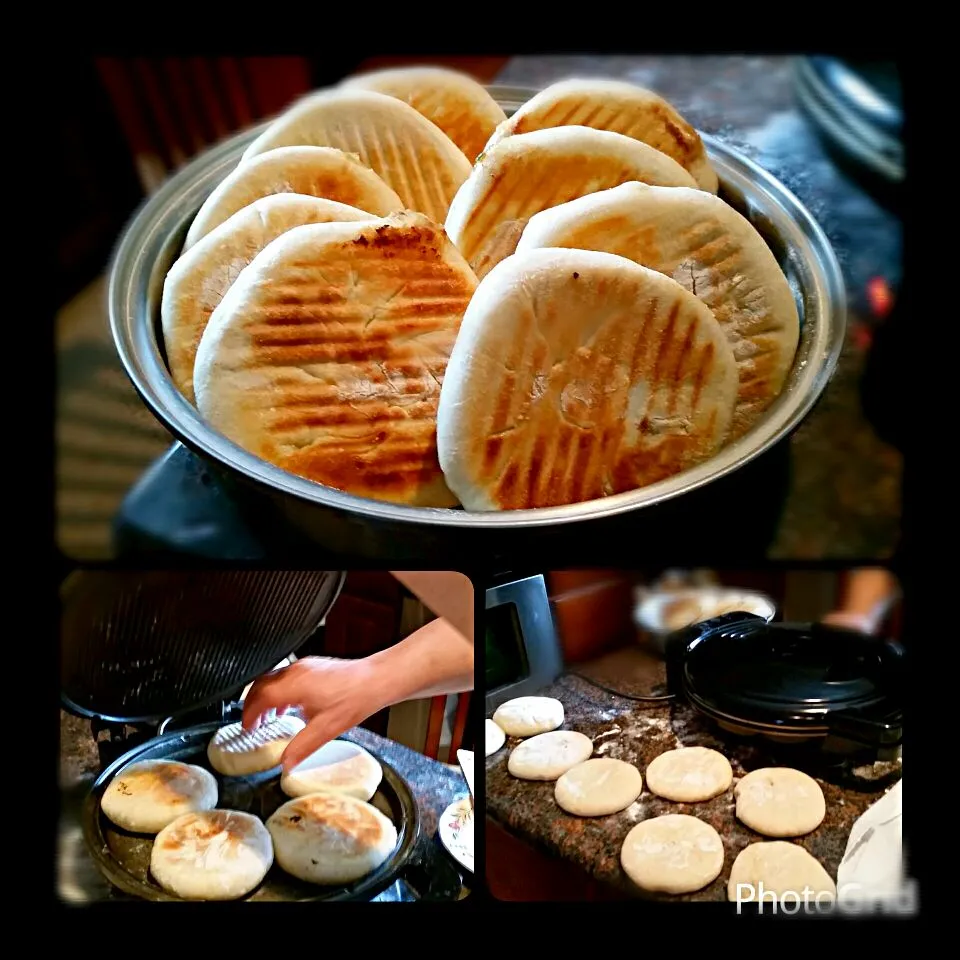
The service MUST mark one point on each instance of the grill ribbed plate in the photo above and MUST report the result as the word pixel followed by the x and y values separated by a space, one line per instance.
pixel 141 646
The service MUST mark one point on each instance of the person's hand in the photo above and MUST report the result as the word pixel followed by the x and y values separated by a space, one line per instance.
pixel 334 695
pixel 849 620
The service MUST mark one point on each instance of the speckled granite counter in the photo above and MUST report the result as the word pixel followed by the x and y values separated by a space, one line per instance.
pixel 434 786
pixel 636 732
pixel 843 496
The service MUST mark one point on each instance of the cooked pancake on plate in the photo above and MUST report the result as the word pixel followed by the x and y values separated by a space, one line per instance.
pixel 337 767
pixel 313 171
pixel 579 375
pixel 199 279
pixel 455 102
pixel 621 108
pixel 213 855
pixel 530 172
pixel 330 838
pixel 326 355
pixel 710 249
pixel 236 752
pixel 145 796
pixel 411 154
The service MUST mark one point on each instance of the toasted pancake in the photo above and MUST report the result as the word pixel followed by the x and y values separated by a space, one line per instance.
pixel 330 838
pixel 578 375
pixel 709 248
pixel 411 154
pixel 530 172
pixel 312 171
pixel 214 855
pixel 455 102
pixel 197 282
pixel 236 752
pixel 621 108
pixel 326 355
pixel 337 767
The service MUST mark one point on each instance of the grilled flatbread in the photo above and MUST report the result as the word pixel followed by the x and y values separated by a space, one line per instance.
pixel 455 102
pixel 709 248
pixel 619 107
pixel 313 171
pixel 411 154
pixel 337 767
pixel 198 281
pixel 236 752
pixel 578 375
pixel 215 855
pixel 530 172
pixel 327 353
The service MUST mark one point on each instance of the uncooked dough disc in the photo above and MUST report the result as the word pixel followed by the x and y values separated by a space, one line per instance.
pixel 494 737
pixel 672 854
pixel 780 802
pixel 598 787
pixel 527 716
pixel 689 774
pixel 782 868
pixel 549 755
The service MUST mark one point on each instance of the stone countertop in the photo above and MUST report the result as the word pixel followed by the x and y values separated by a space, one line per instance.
pixel 434 785
pixel 637 732
pixel 843 496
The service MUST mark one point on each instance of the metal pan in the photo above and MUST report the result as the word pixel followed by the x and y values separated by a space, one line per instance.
pixel 124 858
pixel 343 522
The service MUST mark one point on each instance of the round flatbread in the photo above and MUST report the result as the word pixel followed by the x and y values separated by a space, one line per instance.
pixel 578 375
pixel 549 755
pixel 598 787
pixel 494 737
pixel 453 101
pixel 782 869
pixel 145 796
pixel 213 855
pixel 337 767
pixel 326 356
pixel 618 107
pixel 313 171
pixel 527 716
pixel 330 838
pixel 198 281
pixel 408 152
pixel 780 802
pixel 672 854
pixel 708 248
pixel 236 752
pixel 689 774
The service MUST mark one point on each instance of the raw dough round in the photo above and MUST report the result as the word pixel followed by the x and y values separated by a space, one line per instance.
pixel 213 855
pixel 527 716
pixel 782 868
pixel 780 802
pixel 144 797
pixel 236 752
pixel 337 767
pixel 689 774
pixel 549 755
pixel 494 737
pixel 598 787
pixel 672 854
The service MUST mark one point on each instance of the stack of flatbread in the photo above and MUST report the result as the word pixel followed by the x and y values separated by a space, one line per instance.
pixel 402 294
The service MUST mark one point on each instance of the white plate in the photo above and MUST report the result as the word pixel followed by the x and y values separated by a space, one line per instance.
pixel 456 832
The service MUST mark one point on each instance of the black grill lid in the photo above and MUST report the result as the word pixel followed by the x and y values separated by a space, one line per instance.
pixel 142 646
pixel 791 677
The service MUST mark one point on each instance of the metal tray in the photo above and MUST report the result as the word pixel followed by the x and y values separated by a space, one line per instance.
pixel 153 240
pixel 124 858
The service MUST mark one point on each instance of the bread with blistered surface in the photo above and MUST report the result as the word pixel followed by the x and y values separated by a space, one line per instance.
pixel 311 171
pixel 530 172
pixel 327 354
pixel 711 250
pixel 455 102
pixel 621 108
pixel 236 752
pixel 411 154
pixel 578 375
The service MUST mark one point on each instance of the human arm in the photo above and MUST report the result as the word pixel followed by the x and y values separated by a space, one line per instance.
pixel 867 597
pixel 447 594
